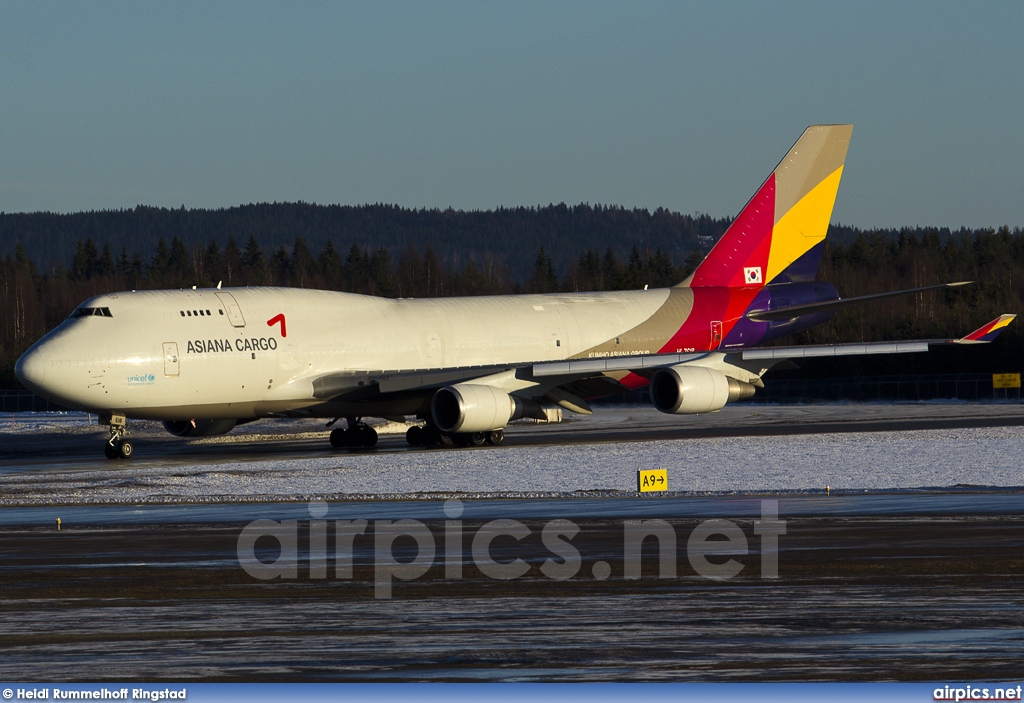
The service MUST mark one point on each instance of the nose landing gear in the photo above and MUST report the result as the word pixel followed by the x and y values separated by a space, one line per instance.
pixel 118 446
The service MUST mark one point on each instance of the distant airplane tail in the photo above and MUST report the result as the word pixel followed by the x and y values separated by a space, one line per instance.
pixel 988 332
pixel 779 234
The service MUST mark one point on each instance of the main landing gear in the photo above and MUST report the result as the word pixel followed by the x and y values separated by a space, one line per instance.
pixel 118 446
pixel 430 436
pixel 357 434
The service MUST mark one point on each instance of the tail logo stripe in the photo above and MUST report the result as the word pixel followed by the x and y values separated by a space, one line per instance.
pixel 804 225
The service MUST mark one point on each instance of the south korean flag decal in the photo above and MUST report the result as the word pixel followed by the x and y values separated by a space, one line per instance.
pixel 752 274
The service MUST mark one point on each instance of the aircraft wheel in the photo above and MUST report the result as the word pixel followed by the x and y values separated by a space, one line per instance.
pixel 125 449
pixel 495 437
pixel 368 436
pixel 414 436
pixel 477 439
pixel 338 438
pixel 431 436
pixel 110 451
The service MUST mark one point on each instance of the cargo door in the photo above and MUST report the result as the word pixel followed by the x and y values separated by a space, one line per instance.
pixel 231 309
pixel 432 353
pixel 569 340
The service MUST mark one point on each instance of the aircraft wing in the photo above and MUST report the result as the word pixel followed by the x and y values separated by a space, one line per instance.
pixel 546 377
pixel 749 364
pixel 985 333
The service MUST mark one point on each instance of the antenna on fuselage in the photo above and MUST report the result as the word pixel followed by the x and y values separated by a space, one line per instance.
pixel 218 284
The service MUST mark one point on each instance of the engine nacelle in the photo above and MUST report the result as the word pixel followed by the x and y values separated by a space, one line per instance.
pixel 199 428
pixel 469 407
pixel 688 390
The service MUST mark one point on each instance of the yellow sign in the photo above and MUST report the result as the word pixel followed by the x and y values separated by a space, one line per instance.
pixel 1006 380
pixel 648 480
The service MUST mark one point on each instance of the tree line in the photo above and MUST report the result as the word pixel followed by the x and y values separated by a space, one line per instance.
pixel 510 235
pixel 37 300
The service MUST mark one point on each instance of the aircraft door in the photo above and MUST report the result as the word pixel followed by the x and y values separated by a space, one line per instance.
pixel 231 309
pixel 170 359
pixel 570 337
pixel 432 352
pixel 716 334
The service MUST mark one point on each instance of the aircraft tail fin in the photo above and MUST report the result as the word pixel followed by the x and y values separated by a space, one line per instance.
pixel 778 235
pixel 987 332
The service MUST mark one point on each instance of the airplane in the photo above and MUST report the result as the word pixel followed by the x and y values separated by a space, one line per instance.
pixel 205 360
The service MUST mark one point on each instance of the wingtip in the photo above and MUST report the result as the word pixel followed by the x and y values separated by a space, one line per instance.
pixel 988 331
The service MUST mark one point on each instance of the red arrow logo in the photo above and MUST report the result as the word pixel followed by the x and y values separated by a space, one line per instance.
pixel 278 318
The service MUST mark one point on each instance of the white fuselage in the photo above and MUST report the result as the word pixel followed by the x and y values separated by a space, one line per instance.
pixel 242 353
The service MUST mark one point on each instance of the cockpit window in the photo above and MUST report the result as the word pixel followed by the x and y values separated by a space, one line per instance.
pixel 87 312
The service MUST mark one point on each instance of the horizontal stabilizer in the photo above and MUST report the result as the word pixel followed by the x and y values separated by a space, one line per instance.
pixel 986 333
pixel 792 311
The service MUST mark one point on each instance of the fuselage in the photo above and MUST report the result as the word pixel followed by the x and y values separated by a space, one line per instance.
pixel 244 353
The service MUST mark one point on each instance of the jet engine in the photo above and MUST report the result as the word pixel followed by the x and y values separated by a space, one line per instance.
pixel 199 428
pixel 470 407
pixel 687 390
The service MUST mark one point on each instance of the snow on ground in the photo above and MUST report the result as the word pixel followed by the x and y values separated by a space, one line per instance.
pixel 855 461
pixel 19 423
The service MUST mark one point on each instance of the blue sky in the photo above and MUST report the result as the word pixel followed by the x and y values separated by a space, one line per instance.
pixel 473 105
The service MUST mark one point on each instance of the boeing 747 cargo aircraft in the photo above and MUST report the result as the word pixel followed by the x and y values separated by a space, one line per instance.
pixel 203 361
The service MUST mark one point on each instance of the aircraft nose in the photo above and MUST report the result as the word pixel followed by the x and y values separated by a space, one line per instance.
pixel 30 369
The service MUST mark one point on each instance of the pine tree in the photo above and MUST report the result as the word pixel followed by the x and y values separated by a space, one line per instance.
pixel 382 277
pixel 331 267
pixel 303 265
pixel 357 270
pixel 179 265
pixel 213 264
pixel 611 271
pixel 544 279
pixel 86 262
pixel 281 267
pixel 105 265
pixel 255 263
pixel 233 273
pixel 160 264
